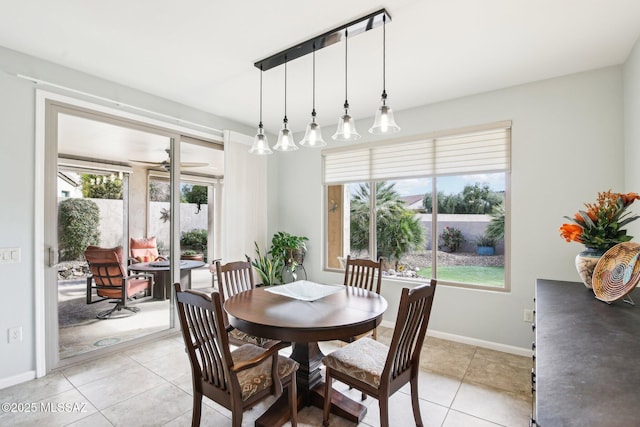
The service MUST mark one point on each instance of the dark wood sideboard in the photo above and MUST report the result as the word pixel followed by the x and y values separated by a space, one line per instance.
pixel 586 358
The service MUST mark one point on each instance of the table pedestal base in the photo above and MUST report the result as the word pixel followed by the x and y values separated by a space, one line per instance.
pixel 162 287
pixel 311 391
pixel 341 405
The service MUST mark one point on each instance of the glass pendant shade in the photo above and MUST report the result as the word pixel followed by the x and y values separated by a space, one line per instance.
pixel 346 130
pixel 260 143
pixel 285 139
pixel 384 122
pixel 313 135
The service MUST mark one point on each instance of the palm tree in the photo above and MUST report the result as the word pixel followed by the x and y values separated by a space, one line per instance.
pixel 398 230
pixel 495 229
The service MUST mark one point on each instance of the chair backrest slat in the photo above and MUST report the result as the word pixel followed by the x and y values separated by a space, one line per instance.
pixel 234 277
pixel 410 330
pixel 205 337
pixel 363 274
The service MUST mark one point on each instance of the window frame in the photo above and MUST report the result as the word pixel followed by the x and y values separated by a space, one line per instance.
pixel 504 125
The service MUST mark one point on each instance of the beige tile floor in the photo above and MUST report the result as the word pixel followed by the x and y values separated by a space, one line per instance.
pixel 150 385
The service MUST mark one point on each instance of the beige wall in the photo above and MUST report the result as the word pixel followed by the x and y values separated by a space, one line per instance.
pixel 567 140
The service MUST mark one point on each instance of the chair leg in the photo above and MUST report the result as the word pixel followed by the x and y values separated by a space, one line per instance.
pixel 197 409
pixel 415 402
pixel 236 415
pixel 383 404
pixel 107 313
pixel 293 400
pixel 117 306
pixel 327 397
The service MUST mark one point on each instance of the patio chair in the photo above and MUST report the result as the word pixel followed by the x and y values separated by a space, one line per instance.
pixel 378 370
pixel 110 280
pixel 235 277
pixel 237 379
pixel 144 250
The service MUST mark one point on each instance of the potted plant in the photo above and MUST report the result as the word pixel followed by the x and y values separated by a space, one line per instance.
pixel 191 255
pixel 195 243
pixel 485 245
pixel 599 228
pixel 267 267
pixel 288 248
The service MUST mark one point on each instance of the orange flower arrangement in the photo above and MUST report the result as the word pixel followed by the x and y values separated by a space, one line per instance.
pixel 600 226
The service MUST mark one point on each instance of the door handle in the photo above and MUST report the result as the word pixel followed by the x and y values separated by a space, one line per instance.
pixel 53 257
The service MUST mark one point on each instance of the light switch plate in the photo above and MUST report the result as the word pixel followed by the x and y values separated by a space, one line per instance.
pixel 9 255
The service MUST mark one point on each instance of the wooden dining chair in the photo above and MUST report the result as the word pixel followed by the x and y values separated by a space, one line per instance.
pixel 378 370
pixel 364 274
pixel 235 277
pixel 237 379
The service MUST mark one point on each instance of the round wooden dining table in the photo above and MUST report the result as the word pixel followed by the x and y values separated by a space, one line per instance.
pixel 347 313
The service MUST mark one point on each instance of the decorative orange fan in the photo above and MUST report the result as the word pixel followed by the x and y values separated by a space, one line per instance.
pixel 617 272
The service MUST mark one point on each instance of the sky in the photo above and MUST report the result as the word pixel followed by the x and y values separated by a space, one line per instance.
pixel 449 184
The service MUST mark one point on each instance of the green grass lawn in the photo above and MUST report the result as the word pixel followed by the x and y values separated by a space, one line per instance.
pixel 478 275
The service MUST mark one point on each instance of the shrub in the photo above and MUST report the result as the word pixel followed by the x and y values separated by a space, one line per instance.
pixel 195 239
pixel 78 221
pixel 451 238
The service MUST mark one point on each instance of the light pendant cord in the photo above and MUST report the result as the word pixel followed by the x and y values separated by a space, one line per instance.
pixel 313 97
pixel 384 55
pixel 260 125
pixel 285 92
pixel 346 67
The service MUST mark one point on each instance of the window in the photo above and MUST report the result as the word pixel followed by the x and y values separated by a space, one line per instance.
pixel 433 206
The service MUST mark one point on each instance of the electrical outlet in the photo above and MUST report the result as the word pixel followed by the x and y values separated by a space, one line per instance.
pixel 15 334
pixel 528 315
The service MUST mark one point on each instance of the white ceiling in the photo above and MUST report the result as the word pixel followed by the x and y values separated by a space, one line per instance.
pixel 201 52
pixel 88 139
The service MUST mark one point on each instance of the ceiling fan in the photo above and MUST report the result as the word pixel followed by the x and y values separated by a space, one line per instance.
pixel 166 164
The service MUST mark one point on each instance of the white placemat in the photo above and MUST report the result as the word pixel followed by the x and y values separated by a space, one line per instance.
pixel 304 290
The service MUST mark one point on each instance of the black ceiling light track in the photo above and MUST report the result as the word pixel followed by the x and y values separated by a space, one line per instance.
pixel 355 27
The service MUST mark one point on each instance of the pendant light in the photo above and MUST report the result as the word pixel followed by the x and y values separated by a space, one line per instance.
pixel 260 142
pixel 384 122
pixel 313 135
pixel 346 125
pixel 285 137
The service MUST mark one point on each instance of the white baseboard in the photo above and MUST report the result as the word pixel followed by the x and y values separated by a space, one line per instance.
pixel 17 379
pixel 471 341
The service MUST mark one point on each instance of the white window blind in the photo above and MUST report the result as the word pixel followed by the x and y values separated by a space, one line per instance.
pixel 482 151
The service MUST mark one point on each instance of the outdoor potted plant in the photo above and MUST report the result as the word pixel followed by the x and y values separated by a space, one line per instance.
pixel 191 255
pixel 194 243
pixel 485 245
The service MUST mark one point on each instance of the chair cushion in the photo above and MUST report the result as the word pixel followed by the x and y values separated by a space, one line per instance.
pixel 258 378
pixel 144 250
pixel 96 255
pixel 363 359
pixel 251 339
